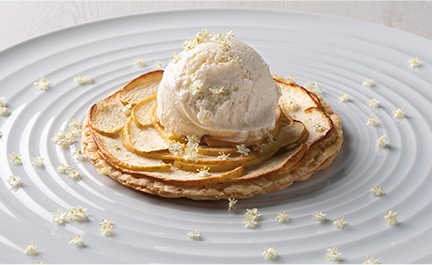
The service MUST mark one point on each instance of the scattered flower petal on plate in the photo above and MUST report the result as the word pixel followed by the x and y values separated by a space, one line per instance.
pixel 414 62
pixel 377 191
pixel 194 234
pixel 391 217
pixel 270 253
pixel 333 254
pixel 31 250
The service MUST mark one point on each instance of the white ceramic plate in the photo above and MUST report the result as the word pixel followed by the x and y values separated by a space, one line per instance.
pixel 336 53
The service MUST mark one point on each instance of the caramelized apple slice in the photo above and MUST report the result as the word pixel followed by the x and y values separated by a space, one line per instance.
pixel 168 136
pixel 145 141
pixel 141 88
pixel 113 151
pixel 212 141
pixel 107 117
pixel 306 108
pixel 215 165
pixel 142 112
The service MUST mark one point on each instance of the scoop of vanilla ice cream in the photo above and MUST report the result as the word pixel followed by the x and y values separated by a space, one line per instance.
pixel 229 95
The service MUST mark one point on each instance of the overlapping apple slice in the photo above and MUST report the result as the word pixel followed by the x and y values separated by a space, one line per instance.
pixel 141 88
pixel 305 106
pixel 113 151
pixel 107 117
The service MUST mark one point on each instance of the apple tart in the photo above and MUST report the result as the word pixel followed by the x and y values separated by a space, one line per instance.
pixel 124 139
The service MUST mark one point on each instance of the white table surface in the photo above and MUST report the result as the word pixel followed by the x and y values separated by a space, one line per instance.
pixel 20 20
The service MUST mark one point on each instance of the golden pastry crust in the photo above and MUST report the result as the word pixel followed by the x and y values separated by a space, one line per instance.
pixel 308 158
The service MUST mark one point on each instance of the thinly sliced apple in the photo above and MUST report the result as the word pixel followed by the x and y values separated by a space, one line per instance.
pixel 145 141
pixel 307 109
pixel 112 149
pixel 278 164
pixel 141 88
pixel 215 165
pixel 217 151
pixel 212 141
pixel 168 136
pixel 108 118
pixel 142 112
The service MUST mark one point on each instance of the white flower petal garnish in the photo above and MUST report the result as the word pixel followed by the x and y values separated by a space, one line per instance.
pixel 192 140
pixel 243 150
pixel 73 173
pixel 333 254
pixel 158 65
pixel 372 121
pixel 42 84
pixel 196 87
pixel 83 80
pixel 203 36
pixel 382 141
pixel 106 227
pixel 78 154
pixel 313 87
pixel 399 113
pixel 250 222
pixel 377 191
pixel 223 156
pixel 252 213
pixel 319 128
pixel 77 213
pixel 223 40
pixel 368 82
pixel 74 124
pixel 319 216
pixel 339 222
pixel 139 62
pixel 59 217
pixel 14 181
pixel 374 103
pixel 371 260
pixel 270 138
pixel 194 234
pixel 175 148
pixel 101 103
pixel 191 152
pixel 63 139
pixel 414 62
pixel 15 158
pixel 176 57
pixel 203 172
pixel 291 104
pixel 283 217
pixel 231 203
pixel 190 156
pixel 217 90
pixel 270 253
pixel 291 79
pixel 64 168
pixel 237 61
pixel 391 218
pixel 3 101
pixel 259 147
pixel 31 250
pixel 343 98
pixel 70 171
pixel 37 161
pixel 77 241
pixel 4 111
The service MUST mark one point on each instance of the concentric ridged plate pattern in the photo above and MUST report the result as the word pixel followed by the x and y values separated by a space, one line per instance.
pixel 336 53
